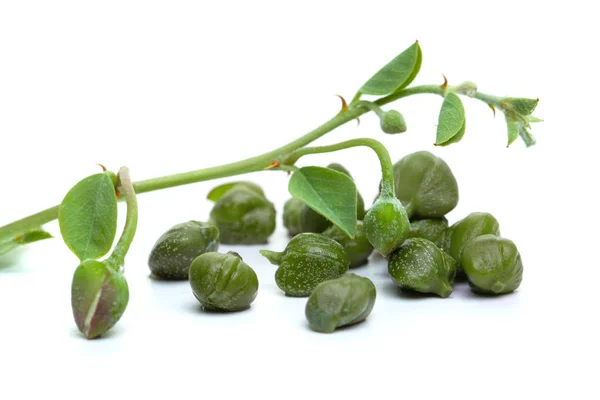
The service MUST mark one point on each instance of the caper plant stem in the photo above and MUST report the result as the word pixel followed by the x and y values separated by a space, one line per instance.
pixel 387 169
pixel 248 165
pixel 117 258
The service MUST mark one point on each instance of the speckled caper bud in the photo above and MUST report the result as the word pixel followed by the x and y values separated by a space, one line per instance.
pixel 339 302
pixel 386 225
pixel 431 229
pixel 174 251
pixel 462 232
pixel 493 264
pixel 223 282
pixel 243 216
pixel 358 249
pixel 425 185
pixel 307 260
pixel 99 297
pixel 419 265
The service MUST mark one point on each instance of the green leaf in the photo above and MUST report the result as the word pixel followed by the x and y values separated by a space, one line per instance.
pixel 219 191
pixel 451 122
pixel 22 239
pixel 522 106
pixel 88 217
pixel 396 74
pixel 513 131
pixel 330 193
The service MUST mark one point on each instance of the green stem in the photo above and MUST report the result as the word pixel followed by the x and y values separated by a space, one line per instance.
pixel 253 164
pixel 117 258
pixel 387 170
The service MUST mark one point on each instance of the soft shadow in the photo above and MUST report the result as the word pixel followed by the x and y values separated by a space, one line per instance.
pixel 111 334
pixel 158 280
pixel 197 308
pixel 339 329
pixel 393 290
pixel 489 296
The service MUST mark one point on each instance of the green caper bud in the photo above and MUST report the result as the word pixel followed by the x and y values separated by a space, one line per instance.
pixel 223 282
pixel 307 260
pixel 174 251
pixel 243 216
pixel 420 266
pixel 299 218
pixel 431 229
pixel 392 122
pixel 340 302
pixel 358 249
pixel 386 225
pixel 425 185
pixel 99 297
pixel 462 232
pixel 493 264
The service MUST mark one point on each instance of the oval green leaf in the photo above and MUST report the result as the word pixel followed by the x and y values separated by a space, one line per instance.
pixel 88 217
pixel 451 122
pixel 396 74
pixel 22 239
pixel 329 192
pixel 522 106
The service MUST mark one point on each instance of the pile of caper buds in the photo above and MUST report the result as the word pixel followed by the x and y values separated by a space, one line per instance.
pixel 411 231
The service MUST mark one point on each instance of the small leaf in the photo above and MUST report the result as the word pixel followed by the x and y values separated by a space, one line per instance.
pixel 513 131
pixel 22 239
pixel 451 122
pixel 396 74
pixel 330 193
pixel 522 106
pixel 219 191
pixel 88 217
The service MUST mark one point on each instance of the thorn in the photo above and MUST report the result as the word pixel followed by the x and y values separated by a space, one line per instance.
pixel 274 164
pixel 344 104
pixel 445 84
pixel 101 166
pixel 357 121
pixel 436 145
pixel 118 193
pixel 493 109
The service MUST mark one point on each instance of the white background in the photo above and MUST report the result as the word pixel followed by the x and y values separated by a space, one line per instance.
pixel 166 87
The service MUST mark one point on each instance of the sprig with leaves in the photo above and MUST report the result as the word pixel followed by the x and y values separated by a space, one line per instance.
pixel 392 82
